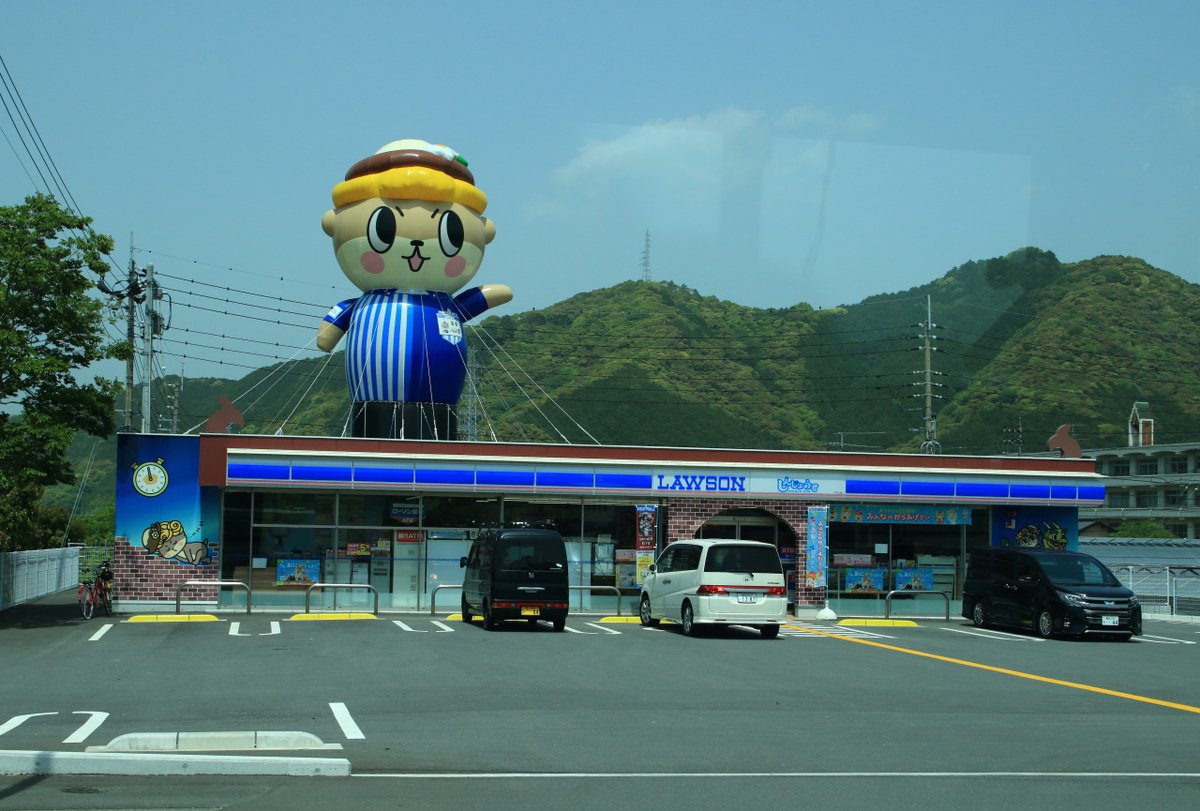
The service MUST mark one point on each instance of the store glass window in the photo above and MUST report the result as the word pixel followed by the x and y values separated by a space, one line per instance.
pixel 459 511
pixel 294 509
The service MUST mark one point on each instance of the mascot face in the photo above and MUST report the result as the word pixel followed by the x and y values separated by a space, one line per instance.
pixel 408 244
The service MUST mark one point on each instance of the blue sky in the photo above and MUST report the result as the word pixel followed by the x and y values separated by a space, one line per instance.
pixel 777 152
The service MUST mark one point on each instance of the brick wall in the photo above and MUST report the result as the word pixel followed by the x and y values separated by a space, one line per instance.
pixel 142 576
pixel 687 515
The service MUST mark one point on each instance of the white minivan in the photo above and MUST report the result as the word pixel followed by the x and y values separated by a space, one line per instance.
pixel 716 582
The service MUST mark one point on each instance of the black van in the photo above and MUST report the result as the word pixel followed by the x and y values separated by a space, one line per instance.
pixel 1049 591
pixel 516 574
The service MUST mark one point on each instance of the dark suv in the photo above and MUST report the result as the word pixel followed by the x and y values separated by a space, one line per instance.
pixel 1048 591
pixel 516 574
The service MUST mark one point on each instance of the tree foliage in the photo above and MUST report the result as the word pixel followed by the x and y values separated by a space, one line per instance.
pixel 51 330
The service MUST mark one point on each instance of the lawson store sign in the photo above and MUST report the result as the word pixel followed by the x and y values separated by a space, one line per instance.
pixel 290 470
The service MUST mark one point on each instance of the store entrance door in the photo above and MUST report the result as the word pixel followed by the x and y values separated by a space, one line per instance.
pixel 763 528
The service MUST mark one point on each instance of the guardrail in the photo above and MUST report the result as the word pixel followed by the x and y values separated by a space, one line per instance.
pixel 217 583
pixel 436 589
pixel 308 592
pixel 887 600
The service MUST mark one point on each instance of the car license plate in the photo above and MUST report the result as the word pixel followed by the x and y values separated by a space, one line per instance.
pixel 530 611
pixel 747 598
pixel 1109 620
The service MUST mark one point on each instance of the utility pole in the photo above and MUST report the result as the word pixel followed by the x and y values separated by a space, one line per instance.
pixel 131 296
pixel 150 327
pixel 930 443
pixel 646 258
pixel 1015 437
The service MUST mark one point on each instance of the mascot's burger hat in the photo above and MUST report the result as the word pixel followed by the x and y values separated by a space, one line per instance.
pixel 411 170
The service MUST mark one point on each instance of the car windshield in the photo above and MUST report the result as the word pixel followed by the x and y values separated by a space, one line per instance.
pixel 736 558
pixel 1076 570
pixel 528 555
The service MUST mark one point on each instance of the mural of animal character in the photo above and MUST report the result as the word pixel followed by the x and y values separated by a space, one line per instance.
pixel 167 539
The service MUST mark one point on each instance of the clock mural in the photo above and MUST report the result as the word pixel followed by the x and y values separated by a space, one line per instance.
pixel 150 478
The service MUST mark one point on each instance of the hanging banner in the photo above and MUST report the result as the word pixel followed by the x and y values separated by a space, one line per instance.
pixel 646 538
pixel 816 543
pixel 900 514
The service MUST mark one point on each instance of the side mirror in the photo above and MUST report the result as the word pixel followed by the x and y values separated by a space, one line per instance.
pixel 462 562
pixel 651 569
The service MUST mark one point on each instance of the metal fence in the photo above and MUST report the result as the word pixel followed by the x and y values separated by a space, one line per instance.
pixel 1173 590
pixel 34 573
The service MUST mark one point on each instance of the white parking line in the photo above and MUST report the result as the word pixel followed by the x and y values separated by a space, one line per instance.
pixel 999 636
pixel 605 630
pixel 346 722
pixel 17 720
pixel 94 637
pixel 88 727
pixel 577 631
pixel 446 629
pixel 404 627
pixel 1170 639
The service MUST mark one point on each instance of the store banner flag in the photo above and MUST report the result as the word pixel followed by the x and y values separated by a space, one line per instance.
pixel 646 539
pixel 816 544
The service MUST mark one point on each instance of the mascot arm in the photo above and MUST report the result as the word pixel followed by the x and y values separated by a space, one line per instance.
pixel 334 325
pixel 479 300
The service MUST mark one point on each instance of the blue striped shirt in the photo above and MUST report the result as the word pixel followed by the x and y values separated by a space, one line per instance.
pixel 405 345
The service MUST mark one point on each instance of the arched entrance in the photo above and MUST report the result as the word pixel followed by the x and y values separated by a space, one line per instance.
pixel 749 524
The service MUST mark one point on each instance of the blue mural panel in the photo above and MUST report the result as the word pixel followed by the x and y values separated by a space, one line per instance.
pixel 159 504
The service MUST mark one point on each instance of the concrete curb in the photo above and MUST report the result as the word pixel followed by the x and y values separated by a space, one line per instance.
pixel 21 762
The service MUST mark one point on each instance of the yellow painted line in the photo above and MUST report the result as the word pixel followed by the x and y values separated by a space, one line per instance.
pixel 887 623
pixel 335 616
pixel 172 618
pixel 1017 673
pixel 620 619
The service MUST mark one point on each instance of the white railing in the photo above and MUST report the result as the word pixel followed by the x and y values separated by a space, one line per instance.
pixel 1171 590
pixel 34 573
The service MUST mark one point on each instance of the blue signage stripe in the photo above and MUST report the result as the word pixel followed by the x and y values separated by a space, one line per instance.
pixel 927 488
pixel 1087 493
pixel 504 478
pixel 1030 491
pixel 624 481
pixel 980 490
pixel 321 473
pixel 444 476
pixel 552 479
pixel 385 475
pixel 1063 492
pixel 244 470
pixel 869 487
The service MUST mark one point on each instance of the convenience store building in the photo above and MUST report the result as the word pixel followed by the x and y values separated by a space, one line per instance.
pixel 282 513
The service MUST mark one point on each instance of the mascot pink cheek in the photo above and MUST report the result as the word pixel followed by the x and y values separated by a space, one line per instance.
pixel 455 266
pixel 371 262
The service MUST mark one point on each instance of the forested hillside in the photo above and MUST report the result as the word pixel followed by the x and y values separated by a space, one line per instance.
pixel 1022 343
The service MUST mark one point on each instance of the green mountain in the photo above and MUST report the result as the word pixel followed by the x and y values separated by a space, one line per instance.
pixel 1020 345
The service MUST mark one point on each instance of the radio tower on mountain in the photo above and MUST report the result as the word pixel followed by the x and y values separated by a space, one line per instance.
pixel 646 258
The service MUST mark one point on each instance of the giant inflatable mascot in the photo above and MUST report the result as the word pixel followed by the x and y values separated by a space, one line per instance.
pixel 408 230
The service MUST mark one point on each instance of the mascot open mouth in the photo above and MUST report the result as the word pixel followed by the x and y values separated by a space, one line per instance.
pixel 415 260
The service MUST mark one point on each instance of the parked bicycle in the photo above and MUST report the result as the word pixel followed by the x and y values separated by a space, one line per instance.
pixel 97 592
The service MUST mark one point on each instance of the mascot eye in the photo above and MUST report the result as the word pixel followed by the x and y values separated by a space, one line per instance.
pixel 381 229
pixel 451 233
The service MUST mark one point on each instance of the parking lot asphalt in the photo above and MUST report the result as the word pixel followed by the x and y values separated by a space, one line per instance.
pixel 430 700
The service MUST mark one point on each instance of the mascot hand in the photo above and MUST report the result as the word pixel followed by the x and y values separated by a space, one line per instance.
pixel 328 336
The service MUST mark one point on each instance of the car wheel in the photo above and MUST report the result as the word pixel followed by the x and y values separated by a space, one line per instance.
pixel 1044 625
pixel 769 631
pixel 489 619
pixel 560 624
pixel 979 615
pixel 644 613
pixel 467 616
pixel 687 620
